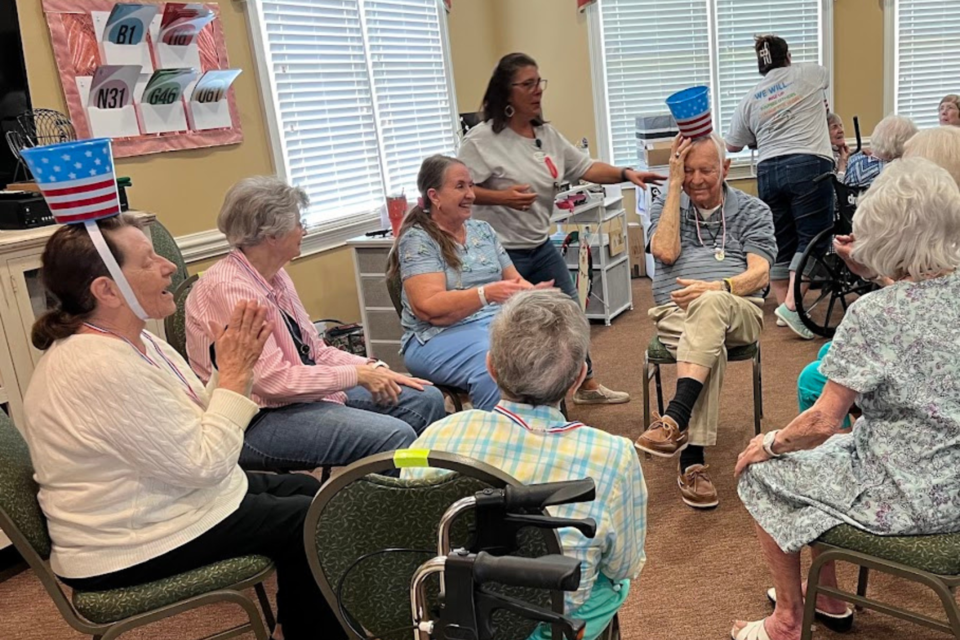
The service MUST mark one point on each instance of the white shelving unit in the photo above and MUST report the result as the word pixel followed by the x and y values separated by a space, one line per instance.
pixel 599 217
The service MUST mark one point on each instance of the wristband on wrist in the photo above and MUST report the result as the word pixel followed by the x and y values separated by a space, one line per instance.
pixel 483 298
pixel 728 285
pixel 623 174
pixel 379 363
pixel 768 440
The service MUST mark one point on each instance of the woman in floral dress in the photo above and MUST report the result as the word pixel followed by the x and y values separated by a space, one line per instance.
pixel 895 356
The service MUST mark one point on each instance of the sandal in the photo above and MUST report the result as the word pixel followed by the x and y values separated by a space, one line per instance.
pixel 839 622
pixel 752 631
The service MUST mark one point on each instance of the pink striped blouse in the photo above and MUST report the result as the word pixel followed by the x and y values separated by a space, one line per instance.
pixel 279 377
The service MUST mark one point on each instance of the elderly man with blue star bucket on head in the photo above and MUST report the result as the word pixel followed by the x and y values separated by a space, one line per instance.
pixel 713 247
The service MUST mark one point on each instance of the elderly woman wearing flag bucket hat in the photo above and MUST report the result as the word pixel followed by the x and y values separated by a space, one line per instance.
pixel 785 117
pixel 135 458
pixel 518 162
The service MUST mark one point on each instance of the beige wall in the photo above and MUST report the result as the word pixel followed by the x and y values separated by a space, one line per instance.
pixel 555 34
pixel 185 188
pixel 858 63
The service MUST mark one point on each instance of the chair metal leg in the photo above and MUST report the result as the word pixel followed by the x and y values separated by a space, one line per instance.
pixel 760 376
pixel 757 395
pixel 656 376
pixel 862 578
pixel 265 604
pixel 810 600
pixel 647 373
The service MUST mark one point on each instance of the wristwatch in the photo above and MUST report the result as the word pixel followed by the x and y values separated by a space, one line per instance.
pixel 726 285
pixel 483 298
pixel 623 174
pixel 768 439
pixel 379 363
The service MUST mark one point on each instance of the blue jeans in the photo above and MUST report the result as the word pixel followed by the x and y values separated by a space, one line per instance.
pixel 801 208
pixel 544 263
pixel 308 435
pixel 457 357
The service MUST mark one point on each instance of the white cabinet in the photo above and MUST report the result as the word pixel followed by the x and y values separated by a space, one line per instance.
pixel 381 324
pixel 603 220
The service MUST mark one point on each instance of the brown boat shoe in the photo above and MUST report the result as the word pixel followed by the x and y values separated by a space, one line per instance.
pixel 663 438
pixel 696 489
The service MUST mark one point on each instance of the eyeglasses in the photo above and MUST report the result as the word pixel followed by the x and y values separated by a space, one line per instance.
pixel 531 85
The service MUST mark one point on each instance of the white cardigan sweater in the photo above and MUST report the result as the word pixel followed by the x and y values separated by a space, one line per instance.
pixel 129 466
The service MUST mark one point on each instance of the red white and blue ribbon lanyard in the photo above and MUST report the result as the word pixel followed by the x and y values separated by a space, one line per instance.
pixel 563 428
pixel 176 371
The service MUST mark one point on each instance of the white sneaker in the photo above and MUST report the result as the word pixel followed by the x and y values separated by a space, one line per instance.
pixel 780 322
pixel 600 395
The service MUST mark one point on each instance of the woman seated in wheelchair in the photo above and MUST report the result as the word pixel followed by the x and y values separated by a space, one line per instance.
pixel 455 276
pixel 941 146
pixel 135 458
pixel 886 144
pixel 538 351
pixel 895 473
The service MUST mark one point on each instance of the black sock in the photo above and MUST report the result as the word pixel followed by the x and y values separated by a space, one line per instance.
pixel 688 390
pixel 690 456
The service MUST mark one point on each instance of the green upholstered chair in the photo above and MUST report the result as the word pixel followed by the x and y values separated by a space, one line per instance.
pixel 175 325
pixel 360 512
pixel 108 614
pixel 165 245
pixel 932 560
pixel 657 354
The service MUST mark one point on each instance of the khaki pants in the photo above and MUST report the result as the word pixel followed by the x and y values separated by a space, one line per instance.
pixel 701 335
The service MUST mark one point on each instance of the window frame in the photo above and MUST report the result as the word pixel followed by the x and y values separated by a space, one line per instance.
pixel 891 54
pixel 332 233
pixel 742 167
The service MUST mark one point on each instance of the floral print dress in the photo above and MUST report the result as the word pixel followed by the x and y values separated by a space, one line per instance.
pixel 898 472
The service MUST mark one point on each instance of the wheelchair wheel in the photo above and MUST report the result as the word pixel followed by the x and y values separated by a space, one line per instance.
pixel 825 287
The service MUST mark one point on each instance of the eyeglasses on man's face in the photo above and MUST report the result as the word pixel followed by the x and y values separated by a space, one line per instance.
pixel 531 85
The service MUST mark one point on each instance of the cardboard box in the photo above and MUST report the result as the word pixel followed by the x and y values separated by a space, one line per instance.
pixel 657 153
pixel 638 263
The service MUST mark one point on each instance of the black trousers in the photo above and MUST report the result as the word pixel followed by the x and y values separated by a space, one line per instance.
pixel 268 522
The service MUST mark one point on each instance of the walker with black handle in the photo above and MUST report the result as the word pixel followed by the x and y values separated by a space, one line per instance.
pixel 468 606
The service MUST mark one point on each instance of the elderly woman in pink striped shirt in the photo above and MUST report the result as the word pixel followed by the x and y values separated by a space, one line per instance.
pixel 319 405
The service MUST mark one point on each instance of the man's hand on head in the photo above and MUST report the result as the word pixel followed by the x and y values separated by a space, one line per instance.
pixel 692 289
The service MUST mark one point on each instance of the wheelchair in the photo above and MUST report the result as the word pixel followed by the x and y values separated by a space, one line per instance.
pixel 825 286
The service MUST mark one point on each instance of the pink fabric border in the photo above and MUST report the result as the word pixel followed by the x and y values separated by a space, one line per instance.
pixel 73 44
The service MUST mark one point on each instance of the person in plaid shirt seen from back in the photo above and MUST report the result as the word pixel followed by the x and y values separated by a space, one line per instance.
pixel 538 349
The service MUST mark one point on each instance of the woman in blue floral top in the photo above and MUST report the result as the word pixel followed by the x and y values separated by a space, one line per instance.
pixel 896 472
pixel 455 275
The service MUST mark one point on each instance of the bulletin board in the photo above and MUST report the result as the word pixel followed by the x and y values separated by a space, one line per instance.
pixel 163 105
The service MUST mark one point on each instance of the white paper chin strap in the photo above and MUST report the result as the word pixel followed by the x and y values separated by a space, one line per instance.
pixel 98 241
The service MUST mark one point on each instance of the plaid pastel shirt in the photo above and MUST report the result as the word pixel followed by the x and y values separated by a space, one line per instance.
pixel 536 444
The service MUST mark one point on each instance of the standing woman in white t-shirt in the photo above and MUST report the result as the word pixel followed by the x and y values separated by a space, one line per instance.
pixel 518 162
pixel 784 116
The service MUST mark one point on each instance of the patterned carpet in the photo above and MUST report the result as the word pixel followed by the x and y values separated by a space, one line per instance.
pixel 703 568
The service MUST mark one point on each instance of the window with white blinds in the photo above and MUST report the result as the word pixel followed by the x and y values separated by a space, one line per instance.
pixel 926 39
pixel 652 48
pixel 361 95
